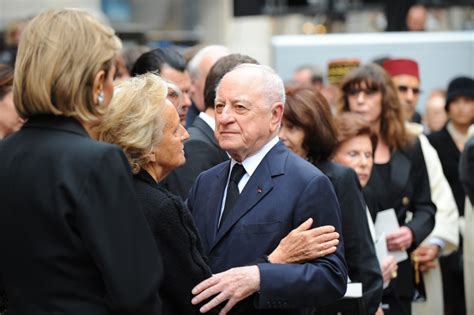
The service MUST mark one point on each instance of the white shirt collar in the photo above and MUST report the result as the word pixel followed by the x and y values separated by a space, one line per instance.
pixel 208 120
pixel 251 163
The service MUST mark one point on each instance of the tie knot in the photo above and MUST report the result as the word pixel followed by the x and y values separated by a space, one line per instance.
pixel 237 172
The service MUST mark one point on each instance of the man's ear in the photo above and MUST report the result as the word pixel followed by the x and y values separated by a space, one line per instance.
pixel 277 115
pixel 98 85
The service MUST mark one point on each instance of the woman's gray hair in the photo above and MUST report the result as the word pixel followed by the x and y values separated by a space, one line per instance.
pixel 134 119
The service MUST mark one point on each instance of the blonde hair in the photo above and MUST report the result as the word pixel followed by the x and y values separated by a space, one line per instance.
pixel 133 120
pixel 59 56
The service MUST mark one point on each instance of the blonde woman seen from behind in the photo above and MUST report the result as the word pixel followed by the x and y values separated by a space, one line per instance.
pixel 72 235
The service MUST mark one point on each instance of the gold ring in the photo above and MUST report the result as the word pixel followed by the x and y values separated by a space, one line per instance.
pixel 394 274
pixel 403 248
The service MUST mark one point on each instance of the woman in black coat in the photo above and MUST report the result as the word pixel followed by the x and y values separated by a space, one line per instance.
pixel 72 238
pixel 308 130
pixel 399 178
pixel 146 126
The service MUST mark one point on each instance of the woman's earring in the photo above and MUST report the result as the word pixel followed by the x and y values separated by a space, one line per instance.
pixel 100 97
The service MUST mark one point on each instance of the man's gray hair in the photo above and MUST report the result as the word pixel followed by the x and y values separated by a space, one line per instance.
pixel 193 65
pixel 272 85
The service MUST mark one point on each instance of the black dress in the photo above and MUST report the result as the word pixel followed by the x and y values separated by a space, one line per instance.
pixel 177 238
pixel 403 184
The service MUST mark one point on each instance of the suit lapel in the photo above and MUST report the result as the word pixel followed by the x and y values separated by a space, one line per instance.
pixel 214 203
pixel 258 186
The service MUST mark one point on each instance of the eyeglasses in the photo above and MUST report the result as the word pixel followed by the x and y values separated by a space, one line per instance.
pixel 404 89
pixel 356 92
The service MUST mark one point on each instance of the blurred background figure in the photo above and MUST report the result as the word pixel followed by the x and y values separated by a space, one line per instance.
pixel 337 69
pixel 198 68
pixel 449 143
pixel 435 116
pixel 170 65
pixel 12 39
pixel 9 119
pixel 416 18
pixel 309 75
pixel 130 54
pixel 406 77
pixel 466 169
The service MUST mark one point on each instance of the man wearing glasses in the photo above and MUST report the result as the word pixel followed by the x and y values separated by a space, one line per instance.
pixel 405 75
pixel 444 238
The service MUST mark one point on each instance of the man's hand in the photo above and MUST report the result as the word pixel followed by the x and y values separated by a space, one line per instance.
pixel 400 239
pixel 303 244
pixel 426 254
pixel 232 286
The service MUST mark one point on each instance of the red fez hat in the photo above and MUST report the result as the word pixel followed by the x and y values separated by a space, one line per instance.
pixel 401 66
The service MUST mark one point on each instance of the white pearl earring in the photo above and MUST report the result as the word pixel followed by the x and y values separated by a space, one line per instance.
pixel 100 97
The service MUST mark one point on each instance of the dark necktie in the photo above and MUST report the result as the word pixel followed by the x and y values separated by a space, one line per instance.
pixel 232 189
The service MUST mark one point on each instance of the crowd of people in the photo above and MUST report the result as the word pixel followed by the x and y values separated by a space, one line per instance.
pixel 202 183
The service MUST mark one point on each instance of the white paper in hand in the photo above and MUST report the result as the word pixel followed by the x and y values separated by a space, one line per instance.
pixel 385 223
pixel 381 248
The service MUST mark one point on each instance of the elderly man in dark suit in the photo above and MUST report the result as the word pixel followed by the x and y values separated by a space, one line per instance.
pixel 269 191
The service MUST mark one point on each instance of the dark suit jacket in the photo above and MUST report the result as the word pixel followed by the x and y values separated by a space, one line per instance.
pixel 283 192
pixel 408 190
pixel 178 241
pixel 359 251
pixel 72 236
pixel 449 156
pixel 202 152
pixel 466 169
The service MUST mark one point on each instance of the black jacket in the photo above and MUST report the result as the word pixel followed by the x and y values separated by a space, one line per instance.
pixel 178 241
pixel 72 236
pixel 359 251
pixel 406 189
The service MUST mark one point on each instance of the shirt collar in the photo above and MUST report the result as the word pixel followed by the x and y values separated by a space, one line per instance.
pixel 208 120
pixel 251 163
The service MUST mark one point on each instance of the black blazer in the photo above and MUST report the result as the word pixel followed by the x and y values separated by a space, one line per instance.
pixel 407 189
pixel 449 156
pixel 72 236
pixel 466 169
pixel 202 152
pixel 359 251
pixel 178 241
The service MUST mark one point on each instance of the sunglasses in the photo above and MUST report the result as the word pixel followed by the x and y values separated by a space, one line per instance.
pixel 404 89
pixel 356 91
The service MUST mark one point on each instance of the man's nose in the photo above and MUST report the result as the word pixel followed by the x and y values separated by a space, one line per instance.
pixel 226 115
pixel 410 95
pixel 187 99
